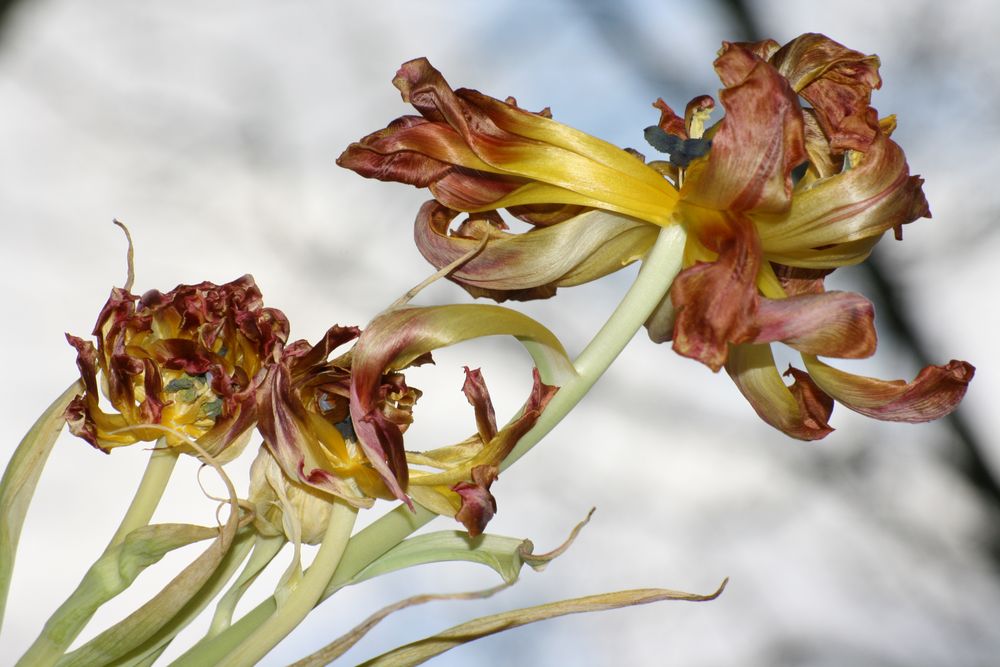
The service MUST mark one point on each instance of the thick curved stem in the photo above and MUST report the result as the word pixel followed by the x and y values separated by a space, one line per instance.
pixel 304 596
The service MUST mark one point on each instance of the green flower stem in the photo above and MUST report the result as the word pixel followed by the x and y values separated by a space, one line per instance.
pixel 154 481
pixel 304 596
pixel 264 551
pixel 67 621
pixel 658 271
pixel 148 653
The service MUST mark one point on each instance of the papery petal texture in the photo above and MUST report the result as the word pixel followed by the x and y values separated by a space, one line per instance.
pixel 756 146
pixel 402 336
pixel 478 153
pixel 181 365
pixel 934 393
pixel 533 264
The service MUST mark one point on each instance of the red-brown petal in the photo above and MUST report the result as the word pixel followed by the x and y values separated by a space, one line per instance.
pixel 716 302
pixel 756 146
pixel 478 396
pixel 838 82
pixel 831 324
pixel 478 504
pixel 934 393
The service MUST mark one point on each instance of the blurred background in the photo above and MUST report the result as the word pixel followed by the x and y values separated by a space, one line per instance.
pixel 212 130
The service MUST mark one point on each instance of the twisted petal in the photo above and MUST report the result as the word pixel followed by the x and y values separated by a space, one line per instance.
pixel 478 153
pixel 848 211
pixel 837 82
pixel 479 398
pixel 934 393
pixel 478 504
pixel 531 265
pixel 801 410
pixel 304 441
pixel 467 469
pixel 757 144
pixel 401 336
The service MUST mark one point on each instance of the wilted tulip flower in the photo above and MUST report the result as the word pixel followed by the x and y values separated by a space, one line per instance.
pixel 459 481
pixel 305 419
pixel 799 177
pixel 184 365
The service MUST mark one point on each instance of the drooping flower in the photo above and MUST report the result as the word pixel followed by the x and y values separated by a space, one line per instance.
pixel 459 484
pixel 181 365
pixel 334 426
pixel 305 419
pixel 773 197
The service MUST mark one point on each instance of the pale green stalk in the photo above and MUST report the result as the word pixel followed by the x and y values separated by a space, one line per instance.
pixel 658 271
pixel 67 622
pixel 264 551
pixel 304 596
pixel 21 477
pixel 154 481
pixel 149 653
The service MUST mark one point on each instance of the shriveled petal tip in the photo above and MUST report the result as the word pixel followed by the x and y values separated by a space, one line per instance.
pixel 934 393
pixel 478 504
pixel 757 144
pixel 801 411
pixel 837 82
pixel 478 153
pixel 534 264
pixel 401 336
pixel 479 398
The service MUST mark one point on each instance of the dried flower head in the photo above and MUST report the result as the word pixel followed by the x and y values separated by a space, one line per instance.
pixel 181 365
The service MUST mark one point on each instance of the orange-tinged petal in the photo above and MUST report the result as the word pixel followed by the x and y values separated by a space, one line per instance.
pixel 934 393
pixel 757 144
pixel 801 411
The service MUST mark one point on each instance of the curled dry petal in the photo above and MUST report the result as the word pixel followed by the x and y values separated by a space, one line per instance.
pixel 801 411
pixel 478 153
pixel 837 82
pixel 757 144
pixel 934 393
pixel 848 211
pixel 188 361
pixel 304 419
pixel 478 504
pixel 402 336
pixel 531 265
pixel 479 398
pixel 460 486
